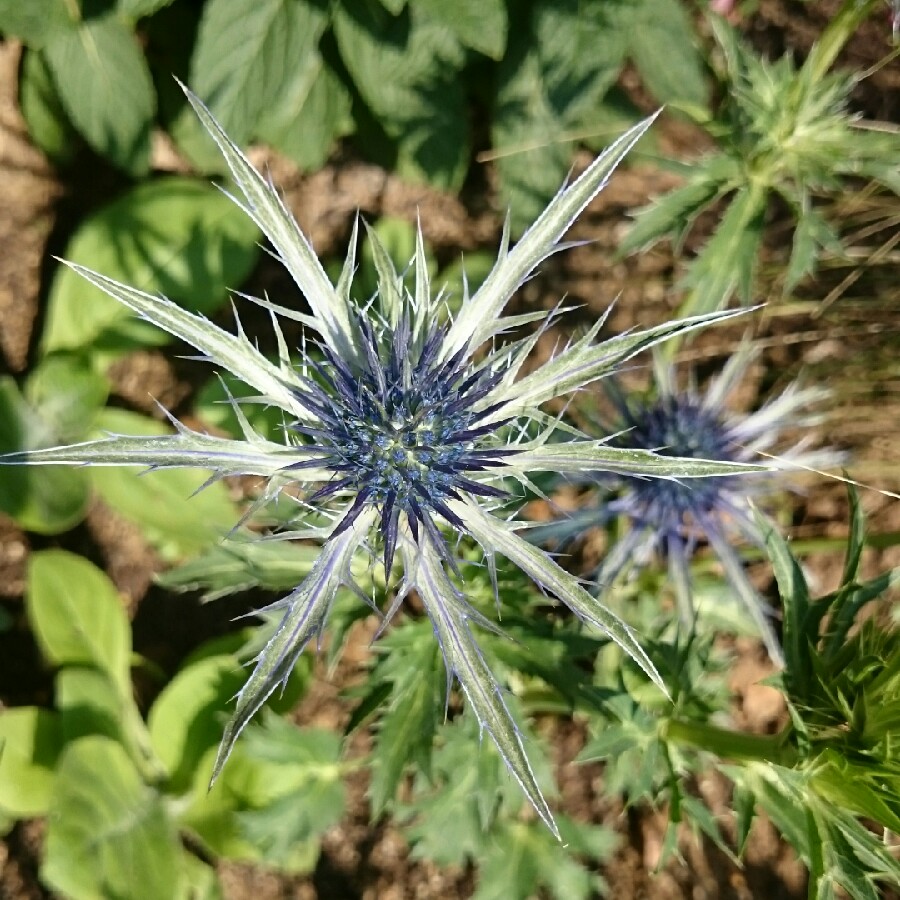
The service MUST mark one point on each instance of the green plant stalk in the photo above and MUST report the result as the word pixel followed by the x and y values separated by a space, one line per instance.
pixel 841 28
pixel 729 744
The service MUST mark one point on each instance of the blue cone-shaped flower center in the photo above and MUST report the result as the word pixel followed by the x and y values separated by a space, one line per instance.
pixel 402 430
pixel 677 426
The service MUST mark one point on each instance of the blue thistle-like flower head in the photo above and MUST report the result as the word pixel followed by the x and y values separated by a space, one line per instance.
pixel 669 519
pixel 400 433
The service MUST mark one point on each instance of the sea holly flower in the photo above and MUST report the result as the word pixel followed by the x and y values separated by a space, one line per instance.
pixel 668 520
pixel 407 429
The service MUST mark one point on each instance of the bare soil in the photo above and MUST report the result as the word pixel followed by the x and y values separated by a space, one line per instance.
pixel 850 343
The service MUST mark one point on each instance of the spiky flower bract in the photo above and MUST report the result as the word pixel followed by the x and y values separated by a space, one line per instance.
pixel 670 519
pixel 406 426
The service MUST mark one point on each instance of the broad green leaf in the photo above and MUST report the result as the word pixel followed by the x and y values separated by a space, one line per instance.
pixel 34 21
pixel 407 71
pixel 90 703
pixel 305 123
pixel 202 881
pixel 48 125
pixel 252 55
pixel 47 502
pixel 164 504
pixel 77 615
pixel 479 24
pixel 186 719
pixel 395 7
pixel 67 395
pixel 30 742
pixel 109 834
pixel 209 814
pixel 550 81
pixel 674 75
pixel 104 85
pixel 135 9
pixel 174 236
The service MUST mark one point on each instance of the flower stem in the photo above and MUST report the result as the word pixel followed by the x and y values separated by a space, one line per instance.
pixel 728 744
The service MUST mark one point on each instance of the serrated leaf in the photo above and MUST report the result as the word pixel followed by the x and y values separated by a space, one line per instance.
pixel 479 24
pixel 674 212
pixel 676 75
pixel 727 262
pixel 550 81
pixel 105 87
pixel 174 236
pixel 253 55
pixel 77 615
pixel 406 729
pixel 164 505
pixel 449 825
pixel 520 859
pixel 309 803
pixel 107 830
pixel 306 128
pixel 811 233
pixel 30 743
pixel 408 73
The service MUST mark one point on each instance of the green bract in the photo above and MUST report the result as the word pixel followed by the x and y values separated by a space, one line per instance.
pixel 405 428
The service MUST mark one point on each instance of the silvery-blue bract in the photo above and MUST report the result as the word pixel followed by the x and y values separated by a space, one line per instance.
pixel 407 428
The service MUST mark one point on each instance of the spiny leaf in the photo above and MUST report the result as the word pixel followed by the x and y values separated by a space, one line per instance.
pixel 307 609
pixel 464 659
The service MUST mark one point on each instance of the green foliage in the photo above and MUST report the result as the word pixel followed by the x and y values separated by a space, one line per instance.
pixel 407 687
pixel 177 236
pixel 109 833
pixel 58 402
pixel 553 85
pixel 785 134
pixel 120 794
pixel 31 741
pixel 834 769
pixel 400 76
pixel 177 512
pixel 468 809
